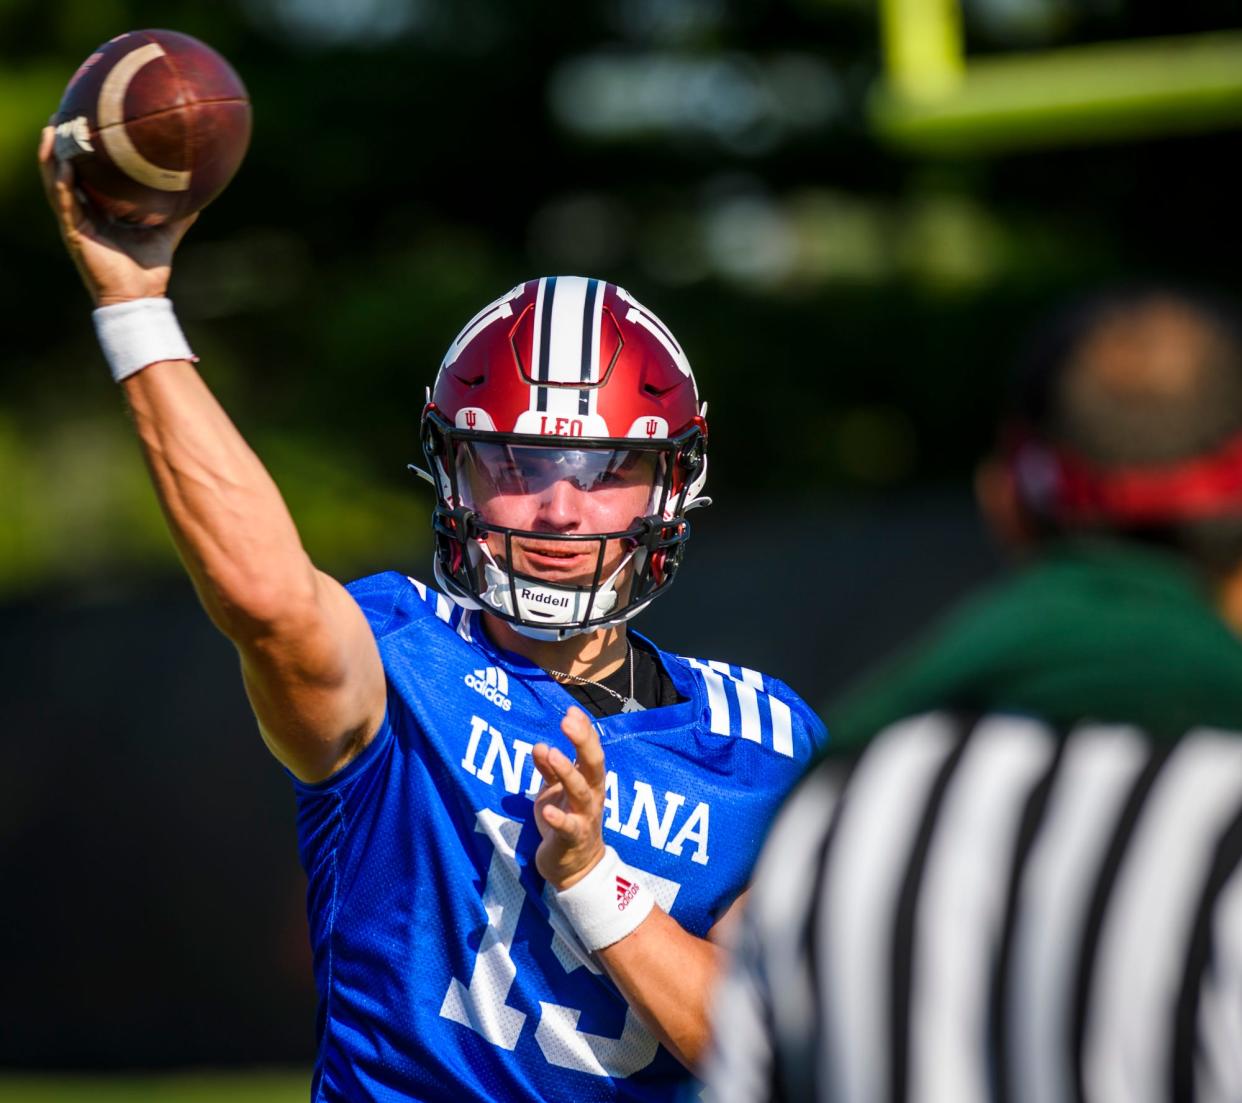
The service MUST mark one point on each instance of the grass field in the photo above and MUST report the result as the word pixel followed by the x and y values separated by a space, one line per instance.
pixel 263 1086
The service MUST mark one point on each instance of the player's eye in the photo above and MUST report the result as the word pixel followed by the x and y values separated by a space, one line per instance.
pixel 611 478
pixel 522 475
pixel 628 471
pixel 510 478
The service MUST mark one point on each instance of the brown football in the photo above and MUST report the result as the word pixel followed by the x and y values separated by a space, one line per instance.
pixel 155 123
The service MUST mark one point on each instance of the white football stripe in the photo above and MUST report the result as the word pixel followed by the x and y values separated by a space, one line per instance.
pixel 110 115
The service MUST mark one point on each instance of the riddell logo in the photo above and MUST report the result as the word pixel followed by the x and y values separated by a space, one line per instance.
pixel 492 683
pixel 626 891
pixel 542 597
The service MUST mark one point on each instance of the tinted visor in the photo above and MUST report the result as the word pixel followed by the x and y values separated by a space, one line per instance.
pixel 616 480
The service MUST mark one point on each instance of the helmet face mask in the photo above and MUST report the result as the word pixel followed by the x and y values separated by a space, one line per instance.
pixel 561 491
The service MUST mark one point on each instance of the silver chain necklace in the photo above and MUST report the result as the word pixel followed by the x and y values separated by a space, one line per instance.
pixel 628 704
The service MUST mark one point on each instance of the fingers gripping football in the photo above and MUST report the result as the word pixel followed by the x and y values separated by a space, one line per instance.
pixel 116 264
pixel 569 808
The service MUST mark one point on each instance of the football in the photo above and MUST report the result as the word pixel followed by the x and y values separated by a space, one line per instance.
pixel 155 124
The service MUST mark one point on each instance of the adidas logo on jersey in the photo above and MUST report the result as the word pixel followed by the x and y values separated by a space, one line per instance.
pixel 626 891
pixel 492 683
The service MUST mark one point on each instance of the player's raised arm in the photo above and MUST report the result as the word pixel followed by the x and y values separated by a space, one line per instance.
pixel 311 665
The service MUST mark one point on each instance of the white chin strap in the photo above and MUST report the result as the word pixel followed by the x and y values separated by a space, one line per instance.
pixel 544 608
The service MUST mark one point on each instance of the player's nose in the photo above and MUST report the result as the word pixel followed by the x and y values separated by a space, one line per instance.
pixel 560 506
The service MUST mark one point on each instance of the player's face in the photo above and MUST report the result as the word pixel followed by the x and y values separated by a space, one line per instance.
pixel 560 492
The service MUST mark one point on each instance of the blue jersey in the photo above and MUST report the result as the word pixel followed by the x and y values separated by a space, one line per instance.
pixel 442 975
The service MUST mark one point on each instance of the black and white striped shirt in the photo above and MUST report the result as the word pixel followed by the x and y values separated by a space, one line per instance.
pixel 992 910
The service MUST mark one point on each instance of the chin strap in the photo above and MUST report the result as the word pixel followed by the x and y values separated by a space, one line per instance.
pixel 545 606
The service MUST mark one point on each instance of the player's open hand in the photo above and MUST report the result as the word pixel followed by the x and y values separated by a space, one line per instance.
pixel 116 263
pixel 569 809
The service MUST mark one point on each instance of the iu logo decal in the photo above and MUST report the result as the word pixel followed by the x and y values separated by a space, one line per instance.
pixel 652 426
pixel 472 419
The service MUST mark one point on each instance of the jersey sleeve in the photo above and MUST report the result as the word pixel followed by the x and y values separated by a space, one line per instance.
pixel 806 718
pixel 385 601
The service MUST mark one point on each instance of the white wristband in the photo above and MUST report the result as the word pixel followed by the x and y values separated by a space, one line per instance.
pixel 607 904
pixel 139 333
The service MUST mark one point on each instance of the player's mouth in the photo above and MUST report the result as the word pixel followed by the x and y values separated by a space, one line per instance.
pixel 558 560
pixel 556 556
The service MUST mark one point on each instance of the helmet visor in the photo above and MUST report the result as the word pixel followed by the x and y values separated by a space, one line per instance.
pixel 534 487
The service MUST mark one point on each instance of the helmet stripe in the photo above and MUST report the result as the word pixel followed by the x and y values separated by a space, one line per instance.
pixel 590 343
pixel 565 354
pixel 543 334
pixel 561 325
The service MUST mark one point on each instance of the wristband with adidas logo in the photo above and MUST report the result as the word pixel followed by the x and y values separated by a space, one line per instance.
pixel 607 904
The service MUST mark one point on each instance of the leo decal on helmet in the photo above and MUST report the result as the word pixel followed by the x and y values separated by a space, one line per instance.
pixel 563 379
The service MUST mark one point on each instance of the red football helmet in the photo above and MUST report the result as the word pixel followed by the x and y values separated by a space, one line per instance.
pixel 564 381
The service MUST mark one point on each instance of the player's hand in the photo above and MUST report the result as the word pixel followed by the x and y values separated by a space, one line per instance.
pixel 117 264
pixel 569 810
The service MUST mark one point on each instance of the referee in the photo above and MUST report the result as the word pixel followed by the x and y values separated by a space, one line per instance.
pixel 980 905
pixel 990 909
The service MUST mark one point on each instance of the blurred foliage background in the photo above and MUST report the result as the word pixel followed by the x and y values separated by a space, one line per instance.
pixel 849 304
pixel 848 307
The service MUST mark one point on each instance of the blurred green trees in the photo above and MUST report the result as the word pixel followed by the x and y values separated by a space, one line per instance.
pixel 848 310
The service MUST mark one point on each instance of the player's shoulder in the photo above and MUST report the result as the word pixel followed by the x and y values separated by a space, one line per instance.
pixel 392 601
pixel 755 707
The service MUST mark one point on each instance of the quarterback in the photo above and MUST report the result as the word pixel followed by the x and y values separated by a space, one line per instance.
pixel 521 823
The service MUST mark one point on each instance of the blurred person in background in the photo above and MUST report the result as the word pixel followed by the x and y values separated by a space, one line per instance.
pixel 1035 892
pixel 1117 483
pixel 474 934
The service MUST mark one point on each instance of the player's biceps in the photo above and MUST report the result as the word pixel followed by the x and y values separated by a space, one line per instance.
pixel 312 729
pixel 320 690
